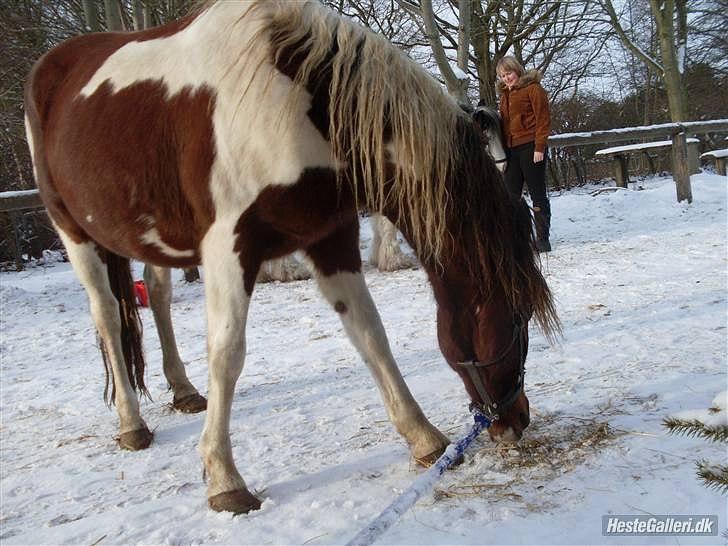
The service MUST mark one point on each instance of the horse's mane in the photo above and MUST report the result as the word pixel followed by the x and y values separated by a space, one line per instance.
pixel 382 104
pixel 384 111
pixel 496 231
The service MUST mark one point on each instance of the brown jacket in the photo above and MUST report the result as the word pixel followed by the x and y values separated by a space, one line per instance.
pixel 525 112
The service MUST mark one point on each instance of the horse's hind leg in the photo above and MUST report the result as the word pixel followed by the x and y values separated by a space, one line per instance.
pixel 348 295
pixel 159 284
pixel 93 274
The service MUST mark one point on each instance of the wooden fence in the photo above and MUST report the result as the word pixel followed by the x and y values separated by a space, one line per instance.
pixel 677 132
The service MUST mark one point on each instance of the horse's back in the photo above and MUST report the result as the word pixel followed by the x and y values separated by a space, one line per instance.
pixel 111 163
pixel 144 140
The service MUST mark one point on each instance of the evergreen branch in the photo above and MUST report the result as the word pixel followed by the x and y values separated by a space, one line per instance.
pixel 713 476
pixel 694 428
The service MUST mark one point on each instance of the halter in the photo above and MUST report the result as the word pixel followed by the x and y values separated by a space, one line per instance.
pixel 490 408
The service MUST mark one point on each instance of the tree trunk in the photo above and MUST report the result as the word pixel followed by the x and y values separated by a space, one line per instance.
pixel 464 11
pixel 481 40
pixel 112 11
pixel 138 15
pixel 91 15
pixel 148 15
pixel 456 86
pixel 672 61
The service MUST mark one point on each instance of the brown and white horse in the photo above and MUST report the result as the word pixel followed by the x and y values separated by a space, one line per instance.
pixel 246 131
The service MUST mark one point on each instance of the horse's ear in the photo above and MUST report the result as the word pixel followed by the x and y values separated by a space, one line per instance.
pixel 478 116
pixel 466 107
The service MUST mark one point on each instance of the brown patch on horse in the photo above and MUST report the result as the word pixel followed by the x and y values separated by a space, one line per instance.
pixel 340 307
pixel 311 215
pixel 152 153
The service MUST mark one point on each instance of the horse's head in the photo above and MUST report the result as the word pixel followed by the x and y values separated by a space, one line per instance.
pixel 486 343
pixel 489 122
pixel 493 370
pixel 488 286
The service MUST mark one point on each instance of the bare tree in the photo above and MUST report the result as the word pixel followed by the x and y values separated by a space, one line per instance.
pixel 564 34
pixel 670 18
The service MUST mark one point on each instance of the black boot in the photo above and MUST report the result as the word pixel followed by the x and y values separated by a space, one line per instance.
pixel 542 222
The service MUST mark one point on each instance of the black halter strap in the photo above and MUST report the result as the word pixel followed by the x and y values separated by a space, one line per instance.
pixel 492 408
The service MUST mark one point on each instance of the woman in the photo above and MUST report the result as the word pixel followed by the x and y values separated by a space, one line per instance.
pixel 524 109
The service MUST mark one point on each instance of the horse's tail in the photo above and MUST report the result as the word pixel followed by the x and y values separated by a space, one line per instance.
pixel 122 285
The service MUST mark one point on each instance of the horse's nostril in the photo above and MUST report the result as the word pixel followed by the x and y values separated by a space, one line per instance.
pixel 525 419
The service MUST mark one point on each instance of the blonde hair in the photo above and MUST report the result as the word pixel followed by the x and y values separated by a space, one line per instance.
pixel 509 64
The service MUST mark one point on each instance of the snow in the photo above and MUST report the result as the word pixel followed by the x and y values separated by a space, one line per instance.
pixel 459 73
pixel 17 194
pixel 642 146
pixel 716 153
pixel 714 416
pixel 640 284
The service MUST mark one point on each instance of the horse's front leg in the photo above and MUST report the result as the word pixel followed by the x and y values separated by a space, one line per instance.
pixel 227 307
pixel 344 288
pixel 186 398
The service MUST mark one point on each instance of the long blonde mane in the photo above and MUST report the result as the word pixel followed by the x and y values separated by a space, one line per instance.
pixel 407 145
pixel 384 111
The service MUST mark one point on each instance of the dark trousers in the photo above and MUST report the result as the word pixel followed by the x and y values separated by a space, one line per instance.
pixel 521 168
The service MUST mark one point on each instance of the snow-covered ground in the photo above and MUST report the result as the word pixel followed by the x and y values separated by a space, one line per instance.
pixel 641 287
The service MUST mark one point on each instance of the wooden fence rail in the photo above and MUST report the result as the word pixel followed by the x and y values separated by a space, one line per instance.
pixel 13 201
pixel 665 130
pixel 677 132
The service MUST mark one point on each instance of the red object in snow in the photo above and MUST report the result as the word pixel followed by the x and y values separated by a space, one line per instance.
pixel 140 291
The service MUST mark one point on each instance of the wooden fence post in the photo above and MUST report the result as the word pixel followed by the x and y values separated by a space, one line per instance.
pixel 694 157
pixel 621 170
pixel 680 167
pixel 15 241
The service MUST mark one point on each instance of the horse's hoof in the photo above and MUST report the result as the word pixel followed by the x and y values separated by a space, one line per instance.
pixel 193 403
pixel 240 501
pixel 136 439
pixel 428 460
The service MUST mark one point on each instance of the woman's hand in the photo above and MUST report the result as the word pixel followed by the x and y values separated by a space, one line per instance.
pixel 537 157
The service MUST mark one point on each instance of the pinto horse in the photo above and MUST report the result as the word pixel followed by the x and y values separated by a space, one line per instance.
pixel 246 131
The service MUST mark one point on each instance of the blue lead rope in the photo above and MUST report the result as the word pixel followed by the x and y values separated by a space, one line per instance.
pixel 421 485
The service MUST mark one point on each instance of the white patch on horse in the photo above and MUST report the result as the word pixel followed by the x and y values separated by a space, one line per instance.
pixel 256 146
pixel 89 218
pixel 153 238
